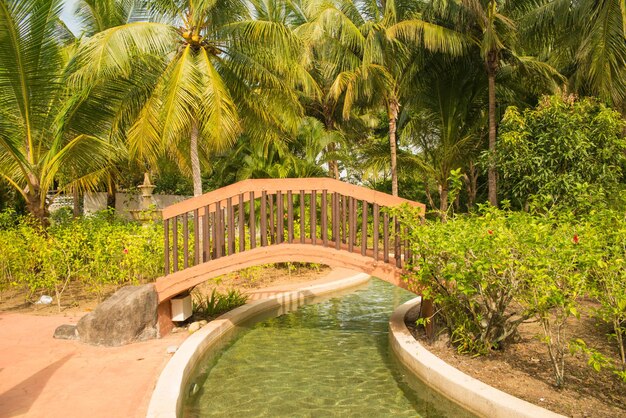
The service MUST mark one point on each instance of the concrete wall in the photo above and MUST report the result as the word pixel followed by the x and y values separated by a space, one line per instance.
pixel 94 202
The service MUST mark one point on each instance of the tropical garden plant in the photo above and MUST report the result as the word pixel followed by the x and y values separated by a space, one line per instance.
pixel 40 137
pixel 214 66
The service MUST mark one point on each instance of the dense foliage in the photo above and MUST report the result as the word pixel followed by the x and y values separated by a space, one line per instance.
pixel 487 273
pixel 91 253
pixel 561 150
pixel 394 94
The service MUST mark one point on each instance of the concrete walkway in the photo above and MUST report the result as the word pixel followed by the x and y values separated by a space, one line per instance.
pixel 44 377
pixel 41 377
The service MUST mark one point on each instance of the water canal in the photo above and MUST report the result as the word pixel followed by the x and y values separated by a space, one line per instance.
pixel 328 359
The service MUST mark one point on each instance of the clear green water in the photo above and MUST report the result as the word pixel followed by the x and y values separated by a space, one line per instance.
pixel 329 359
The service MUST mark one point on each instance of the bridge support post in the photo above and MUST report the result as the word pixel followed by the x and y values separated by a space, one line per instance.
pixel 164 317
pixel 427 312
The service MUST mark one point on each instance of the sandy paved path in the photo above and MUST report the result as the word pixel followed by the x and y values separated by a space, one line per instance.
pixel 41 377
pixel 44 377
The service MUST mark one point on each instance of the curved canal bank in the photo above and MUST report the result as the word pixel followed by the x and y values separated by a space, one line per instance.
pixel 330 358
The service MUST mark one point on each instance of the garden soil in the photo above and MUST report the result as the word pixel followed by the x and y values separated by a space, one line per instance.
pixel 523 369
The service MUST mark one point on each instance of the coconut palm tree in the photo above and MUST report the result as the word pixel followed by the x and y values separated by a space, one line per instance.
pixel 387 38
pixel 586 40
pixel 492 26
pixel 39 138
pixel 444 124
pixel 220 68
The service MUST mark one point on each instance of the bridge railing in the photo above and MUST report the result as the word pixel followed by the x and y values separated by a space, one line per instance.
pixel 262 213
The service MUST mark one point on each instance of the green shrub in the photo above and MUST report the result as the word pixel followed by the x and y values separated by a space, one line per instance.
pixel 93 252
pixel 489 272
pixel 215 304
pixel 472 267
pixel 562 149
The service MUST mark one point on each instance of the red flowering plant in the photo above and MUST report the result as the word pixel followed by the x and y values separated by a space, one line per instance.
pixel 476 279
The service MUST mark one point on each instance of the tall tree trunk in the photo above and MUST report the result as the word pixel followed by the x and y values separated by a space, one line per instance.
pixel 195 161
pixel 111 194
pixel 76 203
pixel 36 206
pixel 443 201
pixel 333 166
pixel 393 108
pixel 492 66
pixel 329 124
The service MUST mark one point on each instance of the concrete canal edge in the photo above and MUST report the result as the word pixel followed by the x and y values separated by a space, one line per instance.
pixel 168 395
pixel 469 393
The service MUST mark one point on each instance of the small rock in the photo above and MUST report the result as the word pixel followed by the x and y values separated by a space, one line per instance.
pixel 193 327
pixel 203 322
pixel 171 349
pixel 66 332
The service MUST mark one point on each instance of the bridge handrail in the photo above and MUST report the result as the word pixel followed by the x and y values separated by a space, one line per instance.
pixel 273 186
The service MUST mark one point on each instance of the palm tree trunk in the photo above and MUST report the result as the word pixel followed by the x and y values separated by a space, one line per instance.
pixel 36 206
pixel 111 194
pixel 443 201
pixel 393 107
pixel 76 203
pixel 195 161
pixel 492 174
pixel 329 124
pixel 333 166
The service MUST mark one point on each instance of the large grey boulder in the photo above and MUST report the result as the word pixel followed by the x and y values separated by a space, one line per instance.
pixel 129 315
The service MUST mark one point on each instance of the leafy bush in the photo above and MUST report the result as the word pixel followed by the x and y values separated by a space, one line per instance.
pixel 489 272
pixel 92 252
pixel 605 244
pixel 472 267
pixel 561 149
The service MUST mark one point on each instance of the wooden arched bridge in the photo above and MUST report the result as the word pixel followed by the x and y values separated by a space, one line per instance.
pixel 316 220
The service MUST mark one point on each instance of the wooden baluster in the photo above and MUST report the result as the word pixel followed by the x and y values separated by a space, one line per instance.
pixel 324 214
pixel 302 217
pixel 252 221
pixel 352 224
pixel 271 213
pixel 313 213
pixel 280 221
pixel 397 250
pixel 185 240
pixel 335 221
pixel 242 224
pixel 166 236
pixel 231 226
pixel 376 229
pixel 214 227
pixel 175 243
pixel 196 237
pixel 364 228
pixel 344 225
pixel 289 217
pixel 263 218
pixel 223 231
pixel 386 237
pixel 207 234
pixel 219 230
